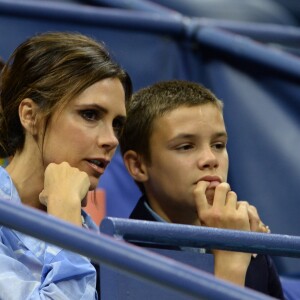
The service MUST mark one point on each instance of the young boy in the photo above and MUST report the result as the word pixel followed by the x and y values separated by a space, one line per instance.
pixel 174 146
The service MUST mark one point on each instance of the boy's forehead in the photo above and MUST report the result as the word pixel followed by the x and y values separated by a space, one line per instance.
pixel 189 116
pixel 200 109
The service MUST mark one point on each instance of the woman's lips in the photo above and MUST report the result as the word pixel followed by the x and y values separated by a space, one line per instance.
pixel 98 165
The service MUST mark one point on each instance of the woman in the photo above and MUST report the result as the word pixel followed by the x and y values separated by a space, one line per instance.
pixel 62 109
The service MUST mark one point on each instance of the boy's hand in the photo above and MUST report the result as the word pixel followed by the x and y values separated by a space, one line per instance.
pixel 224 212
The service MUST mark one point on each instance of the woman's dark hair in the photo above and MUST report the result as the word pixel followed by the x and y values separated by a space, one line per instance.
pixel 51 69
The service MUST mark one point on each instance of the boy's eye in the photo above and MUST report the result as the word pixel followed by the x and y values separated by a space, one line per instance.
pixel 219 146
pixel 184 147
pixel 89 115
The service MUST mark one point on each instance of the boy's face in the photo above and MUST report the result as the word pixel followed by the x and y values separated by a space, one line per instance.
pixel 187 145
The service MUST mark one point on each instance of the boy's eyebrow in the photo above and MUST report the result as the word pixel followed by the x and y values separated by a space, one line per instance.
pixel 189 136
pixel 220 134
pixel 183 136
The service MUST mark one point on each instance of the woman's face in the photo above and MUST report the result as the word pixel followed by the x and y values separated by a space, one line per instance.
pixel 85 132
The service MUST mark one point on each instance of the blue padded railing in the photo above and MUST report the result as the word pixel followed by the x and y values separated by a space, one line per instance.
pixel 262 32
pixel 242 47
pixel 202 237
pixel 119 255
pixel 171 24
pixel 214 34
pixel 139 5
pixel 146 20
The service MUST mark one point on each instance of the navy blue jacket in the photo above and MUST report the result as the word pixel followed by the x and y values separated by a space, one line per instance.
pixel 261 275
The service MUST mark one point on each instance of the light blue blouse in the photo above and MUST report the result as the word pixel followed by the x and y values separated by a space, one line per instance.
pixel 33 269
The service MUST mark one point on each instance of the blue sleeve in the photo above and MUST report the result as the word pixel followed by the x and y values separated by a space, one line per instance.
pixel 62 275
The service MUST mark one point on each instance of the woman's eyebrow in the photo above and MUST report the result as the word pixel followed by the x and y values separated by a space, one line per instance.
pixel 96 106
pixel 91 105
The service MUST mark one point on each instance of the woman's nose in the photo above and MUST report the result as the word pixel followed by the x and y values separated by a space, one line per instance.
pixel 107 139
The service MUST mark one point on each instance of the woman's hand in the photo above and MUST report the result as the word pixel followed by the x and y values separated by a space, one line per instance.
pixel 64 189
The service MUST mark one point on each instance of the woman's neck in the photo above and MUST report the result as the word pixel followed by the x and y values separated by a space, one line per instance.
pixel 27 173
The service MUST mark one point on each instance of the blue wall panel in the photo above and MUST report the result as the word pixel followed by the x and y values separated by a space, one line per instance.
pixel 258 82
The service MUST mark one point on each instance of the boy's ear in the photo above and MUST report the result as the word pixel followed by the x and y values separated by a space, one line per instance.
pixel 28 115
pixel 135 166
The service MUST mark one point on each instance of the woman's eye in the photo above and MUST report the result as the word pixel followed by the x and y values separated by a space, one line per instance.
pixel 118 125
pixel 89 115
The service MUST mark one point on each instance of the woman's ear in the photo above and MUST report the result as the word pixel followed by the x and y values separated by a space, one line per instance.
pixel 135 166
pixel 28 115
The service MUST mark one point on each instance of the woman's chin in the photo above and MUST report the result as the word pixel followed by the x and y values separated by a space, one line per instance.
pixel 94 183
pixel 84 202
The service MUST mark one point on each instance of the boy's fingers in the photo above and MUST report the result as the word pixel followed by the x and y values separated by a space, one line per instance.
pixel 253 218
pixel 199 193
pixel 221 193
pixel 231 200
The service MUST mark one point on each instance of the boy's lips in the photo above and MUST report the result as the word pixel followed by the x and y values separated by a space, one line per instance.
pixel 214 181
pixel 213 184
